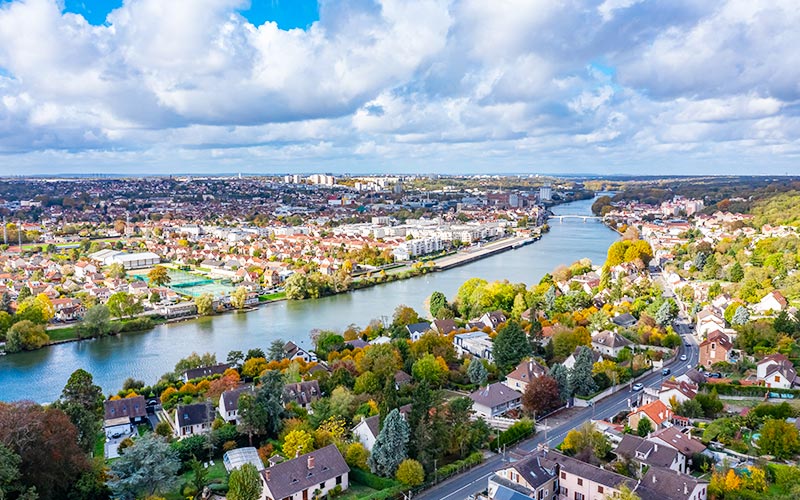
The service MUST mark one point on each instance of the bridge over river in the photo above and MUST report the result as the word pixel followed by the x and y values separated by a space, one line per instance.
pixel 585 218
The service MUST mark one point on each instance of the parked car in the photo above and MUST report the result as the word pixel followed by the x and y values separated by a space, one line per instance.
pixel 665 372
pixel 714 375
pixel 638 386
pixel 683 357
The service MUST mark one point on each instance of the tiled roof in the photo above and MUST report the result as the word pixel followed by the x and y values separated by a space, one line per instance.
pixel 304 472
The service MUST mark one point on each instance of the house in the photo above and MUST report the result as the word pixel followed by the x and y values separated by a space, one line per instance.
pixel 524 373
pixel 494 400
pixel 401 378
pixel 229 403
pixel 417 330
pixel 293 351
pixel 235 458
pixel 67 309
pixel 301 393
pixel 774 301
pixel 570 361
pixel 478 344
pixel 776 370
pixel 193 419
pixel 492 319
pixel 443 326
pixel 367 430
pixel 625 320
pixel 205 371
pixel 715 348
pixel 121 415
pixel 679 391
pixel 657 412
pixel 683 443
pixel 610 344
pixel 311 475
pixel 708 320
pixel 650 453
pixel 667 485
pixel 527 477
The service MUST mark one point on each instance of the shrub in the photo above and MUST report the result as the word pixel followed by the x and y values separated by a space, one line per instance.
pixel 471 460
pixel 410 472
pixel 371 480
pixel 517 432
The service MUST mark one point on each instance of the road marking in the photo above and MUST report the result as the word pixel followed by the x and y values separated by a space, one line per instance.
pixel 469 484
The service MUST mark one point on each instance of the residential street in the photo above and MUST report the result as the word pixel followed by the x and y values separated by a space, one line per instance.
pixel 462 486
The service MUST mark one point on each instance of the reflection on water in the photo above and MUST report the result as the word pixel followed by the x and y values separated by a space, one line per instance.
pixel 40 375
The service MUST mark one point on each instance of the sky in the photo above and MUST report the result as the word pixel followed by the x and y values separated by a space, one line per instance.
pixel 424 86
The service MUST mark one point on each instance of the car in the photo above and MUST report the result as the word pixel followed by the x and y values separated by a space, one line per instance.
pixel 683 357
pixel 714 375
pixel 638 386
pixel 665 371
pixel 687 345
pixel 116 435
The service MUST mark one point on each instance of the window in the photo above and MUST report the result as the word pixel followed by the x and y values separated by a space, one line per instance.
pixel 563 491
pixel 580 482
pixel 563 475
pixel 600 489
pixel 579 496
pixel 338 479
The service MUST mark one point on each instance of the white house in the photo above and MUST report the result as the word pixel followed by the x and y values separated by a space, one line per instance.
pixel 478 344
pixel 774 301
pixel 776 370
pixel 193 419
pixel 229 403
pixel 609 343
pixel 311 475
pixel 495 399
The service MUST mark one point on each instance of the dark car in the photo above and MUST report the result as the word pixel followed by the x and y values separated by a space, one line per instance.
pixel 714 375
pixel 665 371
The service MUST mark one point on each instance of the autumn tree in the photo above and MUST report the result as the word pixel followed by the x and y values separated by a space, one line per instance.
pixel 357 456
pixel 25 336
pixel 158 276
pixel 297 442
pixel 779 438
pixel 541 396
pixel 205 304
pixel 430 369
pixel 410 473
pixel 238 297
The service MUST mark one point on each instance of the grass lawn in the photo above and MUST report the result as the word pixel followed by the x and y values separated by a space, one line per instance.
pixel 66 333
pixel 100 445
pixel 216 474
pixel 272 296
pixel 356 491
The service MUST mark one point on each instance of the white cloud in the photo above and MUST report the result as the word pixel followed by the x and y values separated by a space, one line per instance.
pixel 427 84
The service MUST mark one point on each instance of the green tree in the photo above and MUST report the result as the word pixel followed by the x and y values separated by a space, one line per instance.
pixel 511 345
pixel 82 401
pixel 25 336
pixel 736 273
pixel 276 351
pixel 580 377
pixel 205 304
pixel 158 276
pixel 244 483
pixel 664 315
pixel 116 270
pixel 741 316
pixel 644 427
pixel 9 472
pixel 23 294
pixel 96 321
pixel 410 473
pixel 391 445
pixel 123 304
pixel 148 467
pixel 779 438
pixel 477 372
pixel 199 476
pixel 430 369
pixel 261 413
pixel 560 374
pixel 436 303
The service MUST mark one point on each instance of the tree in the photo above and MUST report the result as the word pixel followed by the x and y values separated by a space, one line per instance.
pixel 253 367
pixel 244 483
pixel 276 351
pixel 148 467
pixel 123 304
pixel 205 304
pixel 261 413
pixel 511 345
pixel 607 368
pixel 741 316
pixel 550 298
pixel 158 276
pixel 25 336
pixel 96 321
pixel 586 443
pixel 23 294
pixel 82 401
pixel 644 427
pixel 391 446
pixel 519 306
pixel 199 475
pixel 625 493
pixel 477 372
pixel 410 473
pixel 560 374
pixel 9 472
pixel 46 443
pixel 736 273
pixel 46 306
pixel 779 438
pixel 238 297
pixel 435 304
pixel 357 456
pixel 116 270
pixel 541 396
pixel 580 378
pixel 431 369
pixel 297 442
pixel 664 315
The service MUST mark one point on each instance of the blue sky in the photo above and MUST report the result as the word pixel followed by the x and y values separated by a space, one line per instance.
pixel 530 86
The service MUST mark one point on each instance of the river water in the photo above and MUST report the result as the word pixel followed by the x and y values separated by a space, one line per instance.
pixel 40 375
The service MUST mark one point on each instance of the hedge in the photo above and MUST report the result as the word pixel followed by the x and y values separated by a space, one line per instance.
pixel 517 432
pixel 757 391
pixel 448 470
pixel 371 480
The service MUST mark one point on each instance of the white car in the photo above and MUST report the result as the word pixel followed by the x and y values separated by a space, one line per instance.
pixel 683 357
pixel 638 386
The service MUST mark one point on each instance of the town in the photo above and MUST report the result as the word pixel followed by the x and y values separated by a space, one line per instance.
pixel 667 371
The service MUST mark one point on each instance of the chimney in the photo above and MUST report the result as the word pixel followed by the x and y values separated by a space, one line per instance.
pixel 655 447
pixel 654 479
pixel 310 462
pixel 266 474
pixel 685 489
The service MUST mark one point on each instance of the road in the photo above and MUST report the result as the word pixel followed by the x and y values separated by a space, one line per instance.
pixel 463 485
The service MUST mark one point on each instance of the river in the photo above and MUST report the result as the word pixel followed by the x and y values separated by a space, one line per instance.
pixel 40 375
